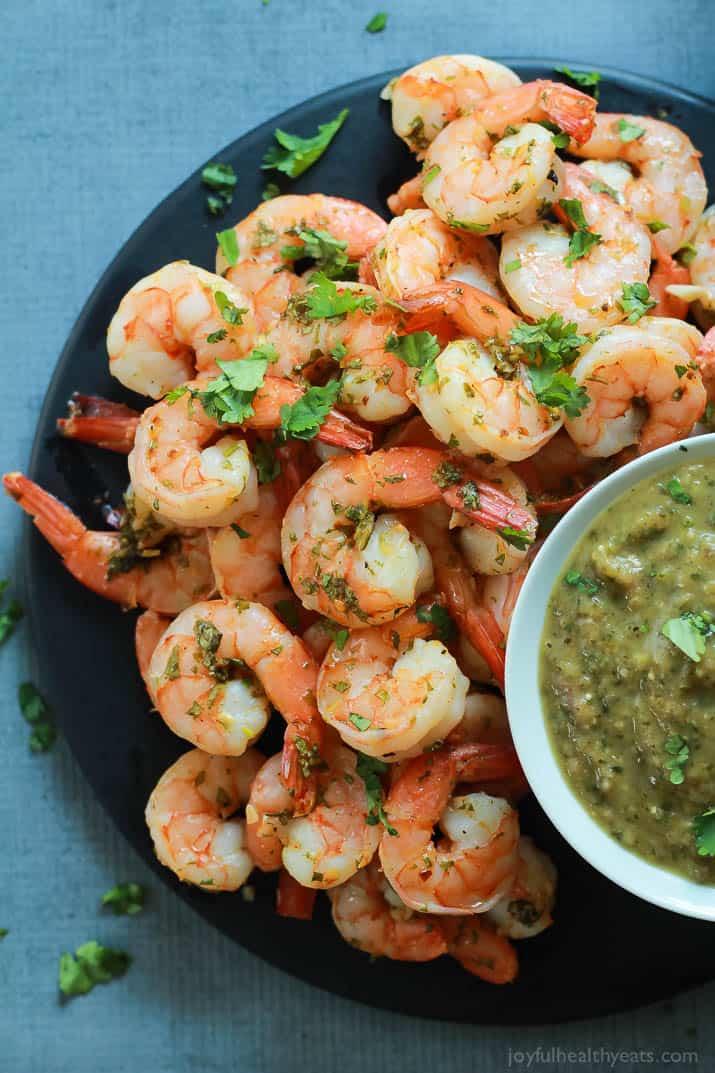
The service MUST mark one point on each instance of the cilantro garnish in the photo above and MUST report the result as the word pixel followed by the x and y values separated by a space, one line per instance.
pixel 580 581
pixel 377 23
pixel 230 312
pixel 582 240
pixel 91 964
pixel 430 174
pixel 558 136
pixel 222 179
pixel 125 899
pixel 512 266
pixel 584 79
pixel 303 419
pixel 328 253
pixel 34 710
pixel 704 831
pixel 287 611
pixel 323 301
pixel 518 538
pixel 10 615
pixel 548 346
pixel 338 633
pixel 229 398
pixel 268 467
pixel 369 768
pixel 636 300
pixel 419 350
pixel 4 932
pixel 686 254
pixel 599 187
pixel 293 155
pixel 629 132
pixel 677 493
pixel 360 722
pixel 689 632
pixel 270 190
pixel 444 626
pixel 679 754
pixel 228 241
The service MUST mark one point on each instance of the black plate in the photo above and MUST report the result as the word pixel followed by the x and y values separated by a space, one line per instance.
pixel 608 950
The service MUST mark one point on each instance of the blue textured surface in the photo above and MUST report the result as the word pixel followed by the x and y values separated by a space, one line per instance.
pixel 106 106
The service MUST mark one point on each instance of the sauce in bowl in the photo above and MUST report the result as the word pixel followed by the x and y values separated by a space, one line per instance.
pixel 628 670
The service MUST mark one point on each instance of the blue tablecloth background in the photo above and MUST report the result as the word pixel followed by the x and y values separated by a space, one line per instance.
pixel 104 107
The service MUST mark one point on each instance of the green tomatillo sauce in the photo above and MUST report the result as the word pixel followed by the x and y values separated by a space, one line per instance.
pixel 628 670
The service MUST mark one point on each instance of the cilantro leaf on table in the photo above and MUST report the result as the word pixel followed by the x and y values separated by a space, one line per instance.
pixel 90 965
pixel 588 80
pixel 125 899
pixel 293 155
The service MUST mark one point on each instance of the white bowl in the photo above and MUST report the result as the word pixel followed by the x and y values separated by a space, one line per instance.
pixel 526 715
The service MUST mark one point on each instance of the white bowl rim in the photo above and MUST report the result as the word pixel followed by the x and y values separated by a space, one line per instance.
pixel 526 717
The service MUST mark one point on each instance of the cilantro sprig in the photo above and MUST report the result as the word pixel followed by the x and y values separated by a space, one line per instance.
pixel 629 132
pixel 328 252
pixel 419 350
pixel 369 768
pixel 125 899
pixel 588 80
pixel 293 155
pixel 229 398
pixel 35 712
pixel 377 23
pixel 636 300
pixel 90 965
pixel 221 178
pixel 576 580
pixel 548 346
pixel 678 756
pixel 304 418
pixel 323 301
pixel 445 629
pixel 583 239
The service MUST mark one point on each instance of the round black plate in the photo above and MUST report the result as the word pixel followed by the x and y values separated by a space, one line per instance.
pixel 608 950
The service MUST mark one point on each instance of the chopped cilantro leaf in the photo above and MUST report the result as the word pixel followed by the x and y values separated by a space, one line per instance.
pixel 574 210
pixel 558 136
pixel 677 493
pixel 689 632
pixel 230 312
pixel 270 190
pixel 654 226
pixel 228 241
pixel 328 252
pixel 10 615
pixel 303 419
pixel 585 79
pixel 599 187
pixel 268 467
pixel 686 254
pixel 360 722
pixel 636 301
pixel 445 628
pixel 293 155
pixel 91 964
pixel 548 346
pixel 629 132
pixel 580 581
pixel 125 899
pixel 580 245
pixel 323 301
pixel 512 266
pixel 4 932
pixel 369 768
pixel 229 398
pixel 419 350
pixel 704 831
pixel 222 179
pixel 377 23
pixel 518 538
pixel 34 710
pixel 679 754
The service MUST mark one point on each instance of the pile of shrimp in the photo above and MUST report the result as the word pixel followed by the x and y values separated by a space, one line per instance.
pixel 342 479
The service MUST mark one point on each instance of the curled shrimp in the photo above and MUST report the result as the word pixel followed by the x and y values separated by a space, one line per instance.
pixel 540 278
pixel 213 673
pixel 173 322
pixel 476 183
pixel 196 472
pixel 428 96
pixel 418 249
pixel 642 386
pixel 668 187
pixel 373 383
pixel 359 569
pixel 489 551
pixel 473 865
pixel 266 237
pixel 148 631
pixel 478 402
pixel 189 816
pixel 325 847
pixel 701 288
pixel 389 692
pixel 525 910
pixel 165 579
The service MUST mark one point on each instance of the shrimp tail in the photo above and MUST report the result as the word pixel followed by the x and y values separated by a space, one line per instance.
pixel 407 196
pixel 481 762
pixel 107 424
pixel 293 899
pixel 571 110
pixel 475 944
pixel 301 758
pixel 59 526
pixel 484 633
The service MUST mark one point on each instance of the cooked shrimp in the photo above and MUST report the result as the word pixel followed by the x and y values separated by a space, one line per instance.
pixel 669 186
pixel 166 579
pixel 525 910
pixel 705 359
pixel 373 383
pixel 177 320
pixel 540 279
pixel 702 268
pixel 642 387
pixel 147 633
pixel 480 949
pixel 106 424
pixel 361 570
pixel 485 720
pixel 213 673
pixel 428 96
pixel 489 551
pixel 667 279
pixel 418 249
pixel 190 473
pixel 188 816
pixel 331 843
pixel 370 916
pixel 407 196
pixel 389 692
pixel 475 862
pixel 262 270
pixel 476 183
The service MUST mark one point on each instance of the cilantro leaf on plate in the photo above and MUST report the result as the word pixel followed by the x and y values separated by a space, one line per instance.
pixel 293 155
